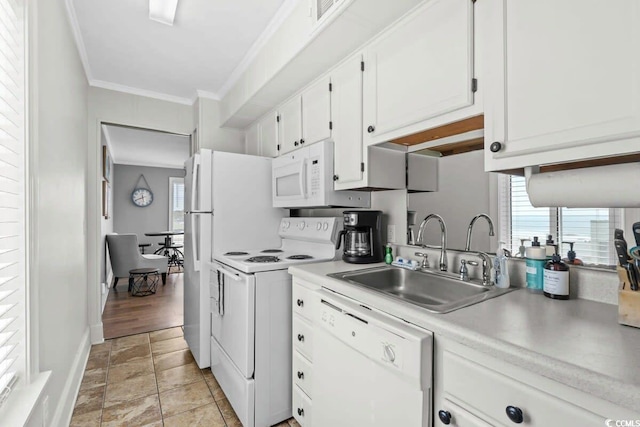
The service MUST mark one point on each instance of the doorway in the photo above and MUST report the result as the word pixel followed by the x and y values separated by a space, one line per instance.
pixel 142 181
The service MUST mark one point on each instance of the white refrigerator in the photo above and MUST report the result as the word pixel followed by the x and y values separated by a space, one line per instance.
pixel 228 207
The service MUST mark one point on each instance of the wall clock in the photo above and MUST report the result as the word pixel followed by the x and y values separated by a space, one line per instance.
pixel 142 196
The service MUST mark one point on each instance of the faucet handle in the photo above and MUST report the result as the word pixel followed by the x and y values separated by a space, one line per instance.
pixel 425 263
pixel 469 262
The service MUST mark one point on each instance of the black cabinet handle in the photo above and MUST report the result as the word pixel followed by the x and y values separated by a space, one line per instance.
pixel 336 177
pixel 301 141
pixel 295 143
pixel 300 337
pixel 445 417
pixel 301 412
pixel 371 129
pixel 300 375
pixel 300 303
pixel 495 147
pixel 515 414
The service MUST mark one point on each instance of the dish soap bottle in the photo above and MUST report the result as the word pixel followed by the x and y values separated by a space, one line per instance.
pixel 388 257
pixel 571 255
pixel 556 278
pixel 536 259
pixel 501 267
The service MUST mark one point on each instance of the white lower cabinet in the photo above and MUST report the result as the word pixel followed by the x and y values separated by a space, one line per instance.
pixel 473 389
pixel 302 366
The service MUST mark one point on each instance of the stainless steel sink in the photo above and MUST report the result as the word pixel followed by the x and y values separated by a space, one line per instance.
pixel 434 291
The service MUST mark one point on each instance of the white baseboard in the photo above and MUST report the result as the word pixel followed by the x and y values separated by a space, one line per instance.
pixel 97 333
pixel 64 411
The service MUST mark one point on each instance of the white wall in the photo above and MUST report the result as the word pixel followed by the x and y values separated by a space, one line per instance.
pixel 58 136
pixel 210 134
pixel 464 190
pixel 129 218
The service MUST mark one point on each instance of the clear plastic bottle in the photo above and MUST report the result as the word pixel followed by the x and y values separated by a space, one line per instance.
pixel 501 267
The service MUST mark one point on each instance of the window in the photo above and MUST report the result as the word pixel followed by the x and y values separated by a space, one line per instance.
pixel 590 229
pixel 12 197
pixel 176 206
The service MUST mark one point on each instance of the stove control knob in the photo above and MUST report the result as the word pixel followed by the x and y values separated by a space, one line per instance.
pixel 325 226
pixel 319 226
pixel 302 225
pixel 285 225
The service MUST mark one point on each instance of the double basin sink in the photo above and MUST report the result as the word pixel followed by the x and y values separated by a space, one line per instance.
pixel 433 291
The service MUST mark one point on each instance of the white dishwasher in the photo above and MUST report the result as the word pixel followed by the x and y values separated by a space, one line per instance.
pixel 369 369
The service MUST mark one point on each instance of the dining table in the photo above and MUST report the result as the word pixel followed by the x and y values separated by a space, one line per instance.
pixel 168 238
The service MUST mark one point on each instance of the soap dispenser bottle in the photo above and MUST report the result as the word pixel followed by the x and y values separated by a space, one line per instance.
pixel 536 259
pixel 550 246
pixel 571 255
pixel 556 278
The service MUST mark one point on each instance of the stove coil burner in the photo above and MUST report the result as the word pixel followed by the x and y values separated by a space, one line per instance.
pixel 300 257
pixel 236 253
pixel 271 251
pixel 263 259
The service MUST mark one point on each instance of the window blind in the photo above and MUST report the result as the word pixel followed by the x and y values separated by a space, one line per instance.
pixel 12 196
pixel 590 229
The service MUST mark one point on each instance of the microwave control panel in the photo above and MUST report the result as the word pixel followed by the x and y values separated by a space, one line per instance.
pixel 315 171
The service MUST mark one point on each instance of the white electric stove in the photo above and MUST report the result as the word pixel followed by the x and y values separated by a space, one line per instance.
pixel 251 318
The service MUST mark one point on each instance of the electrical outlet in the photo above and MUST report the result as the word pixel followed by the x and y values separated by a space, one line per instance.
pixel 391 233
pixel 45 411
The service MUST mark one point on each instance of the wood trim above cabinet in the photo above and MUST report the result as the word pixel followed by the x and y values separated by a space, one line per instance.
pixel 450 129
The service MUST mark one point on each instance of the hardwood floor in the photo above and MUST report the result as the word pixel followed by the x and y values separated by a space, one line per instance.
pixel 126 315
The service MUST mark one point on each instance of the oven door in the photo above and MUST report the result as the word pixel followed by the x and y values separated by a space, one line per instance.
pixel 289 180
pixel 233 315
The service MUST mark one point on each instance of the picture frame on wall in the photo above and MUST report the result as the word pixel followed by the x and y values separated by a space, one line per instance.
pixel 106 199
pixel 107 164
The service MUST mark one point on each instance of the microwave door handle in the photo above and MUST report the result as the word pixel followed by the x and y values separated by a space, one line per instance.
pixel 303 179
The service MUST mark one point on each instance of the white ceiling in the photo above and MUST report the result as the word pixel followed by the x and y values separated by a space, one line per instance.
pixel 141 147
pixel 123 49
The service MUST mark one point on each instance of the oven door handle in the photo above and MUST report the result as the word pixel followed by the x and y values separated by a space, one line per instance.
pixel 230 274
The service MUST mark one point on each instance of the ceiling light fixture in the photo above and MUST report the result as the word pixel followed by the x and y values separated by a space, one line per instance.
pixel 163 11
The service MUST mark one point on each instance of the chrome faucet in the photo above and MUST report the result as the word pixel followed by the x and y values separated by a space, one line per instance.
pixel 473 221
pixel 443 238
pixel 486 267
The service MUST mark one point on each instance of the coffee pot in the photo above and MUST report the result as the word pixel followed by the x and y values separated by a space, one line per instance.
pixel 362 235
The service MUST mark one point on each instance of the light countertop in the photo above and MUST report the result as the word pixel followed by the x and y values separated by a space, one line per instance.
pixel 577 342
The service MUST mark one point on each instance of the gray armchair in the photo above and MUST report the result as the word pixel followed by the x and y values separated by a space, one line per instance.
pixel 125 256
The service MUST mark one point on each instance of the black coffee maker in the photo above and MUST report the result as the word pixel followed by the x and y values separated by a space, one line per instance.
pixel 362 235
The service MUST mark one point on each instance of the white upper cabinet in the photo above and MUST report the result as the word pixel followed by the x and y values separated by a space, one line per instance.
pixel 346 108
pixel 564 81
pixel 290 125
pixel 420 69
pixel 316 112
pixel 268 134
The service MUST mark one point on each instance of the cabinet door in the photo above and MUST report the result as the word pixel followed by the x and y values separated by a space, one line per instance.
pixel 252 140
pixel 268 131
pixel 290 125
pixel 346 108
pixel 420 69
pixel 564 81
pixel 316 112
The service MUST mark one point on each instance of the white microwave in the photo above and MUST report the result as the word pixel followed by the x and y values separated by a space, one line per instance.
pixel 304 179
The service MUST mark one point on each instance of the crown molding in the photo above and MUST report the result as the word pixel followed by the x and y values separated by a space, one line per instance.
pixel 283 12
pixel 207 95
pixel 140 92
pixel 151 164
pixel 77 35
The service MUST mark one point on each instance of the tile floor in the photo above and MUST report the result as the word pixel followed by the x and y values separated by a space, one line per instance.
pixel 151 380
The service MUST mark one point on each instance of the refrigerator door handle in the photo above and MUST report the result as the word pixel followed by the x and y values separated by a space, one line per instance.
pixel 194 183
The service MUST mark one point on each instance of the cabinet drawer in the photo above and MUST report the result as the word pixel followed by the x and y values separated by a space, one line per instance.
pixel 303 336
pixel 302 410
pixel 301 297
pixel 484 391
pixel 303 373
pixel 460 417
